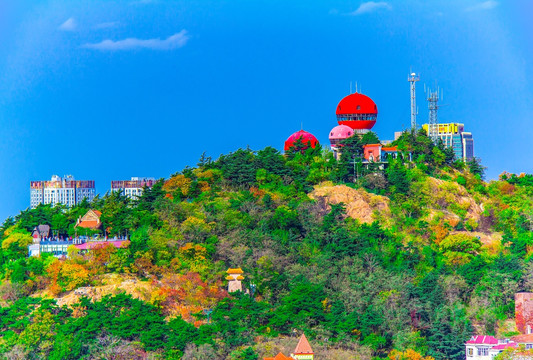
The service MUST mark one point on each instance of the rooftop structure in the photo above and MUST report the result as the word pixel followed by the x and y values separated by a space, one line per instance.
pixel 133 188
pixel 357 111
pixel 65 191
pixel 307 140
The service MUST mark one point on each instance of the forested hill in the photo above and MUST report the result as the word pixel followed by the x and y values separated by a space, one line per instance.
pixel 405 262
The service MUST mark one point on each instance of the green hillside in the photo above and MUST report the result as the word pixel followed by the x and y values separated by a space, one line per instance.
pixel 403 262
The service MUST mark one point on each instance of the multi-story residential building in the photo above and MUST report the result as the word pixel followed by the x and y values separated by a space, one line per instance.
pixel 454 136
pixel 132 188
pixel 65 191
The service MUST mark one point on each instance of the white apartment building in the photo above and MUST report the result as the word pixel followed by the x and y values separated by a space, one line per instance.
pixel 66 191
pixel 133 188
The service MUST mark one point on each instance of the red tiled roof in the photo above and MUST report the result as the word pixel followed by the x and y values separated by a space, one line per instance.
pixel 303 347
pixel 89 224
pixel 483 339
pixel 525 338
pixel 99 213
pixel 280 356
pixel 504 346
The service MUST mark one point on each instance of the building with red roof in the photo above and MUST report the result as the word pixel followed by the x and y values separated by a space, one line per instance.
pixel 479 346
pixel 303 350
pixel 357 111
pixel 307 140
pixel 91 220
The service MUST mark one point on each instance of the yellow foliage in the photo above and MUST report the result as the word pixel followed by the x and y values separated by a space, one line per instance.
pixel 178 182
pixel 22 240
pixel 194 224
pixel 408 354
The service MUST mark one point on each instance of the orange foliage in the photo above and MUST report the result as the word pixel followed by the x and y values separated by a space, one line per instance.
pixel 258 193
pixel 66 276
pixel 440 233
pixel 204 186
pixel 506 188
pixel 186 294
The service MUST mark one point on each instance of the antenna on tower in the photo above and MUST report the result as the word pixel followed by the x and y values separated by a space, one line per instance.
pixel 356 86
pixel 433 126
pixel 413 78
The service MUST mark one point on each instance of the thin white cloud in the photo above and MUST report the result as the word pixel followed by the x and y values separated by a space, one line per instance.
pixel 106 25
pixel 69 25
pixel 486 5
pixel 172 42
pixel 371 6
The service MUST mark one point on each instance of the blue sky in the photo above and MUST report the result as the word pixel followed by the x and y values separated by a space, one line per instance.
pixel 106 90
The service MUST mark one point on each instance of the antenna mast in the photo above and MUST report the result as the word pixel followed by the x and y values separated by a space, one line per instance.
pixel 433 100
pixel 413 78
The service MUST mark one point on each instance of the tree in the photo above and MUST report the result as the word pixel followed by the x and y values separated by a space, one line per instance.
pixel 476 168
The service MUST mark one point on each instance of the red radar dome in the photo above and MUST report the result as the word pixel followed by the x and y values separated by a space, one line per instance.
pixel 357 111
pixel 306 138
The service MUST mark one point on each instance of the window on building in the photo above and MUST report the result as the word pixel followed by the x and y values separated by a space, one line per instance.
pixel 469 352
pixel 483 351
pixel 529 346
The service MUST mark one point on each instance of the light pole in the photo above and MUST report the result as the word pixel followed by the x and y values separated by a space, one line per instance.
pixel 207 313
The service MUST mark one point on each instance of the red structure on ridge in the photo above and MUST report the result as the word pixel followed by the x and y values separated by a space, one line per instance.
pixel 357 111
pixel 306 138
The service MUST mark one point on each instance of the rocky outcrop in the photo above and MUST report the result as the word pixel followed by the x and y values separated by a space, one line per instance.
pixel 360 204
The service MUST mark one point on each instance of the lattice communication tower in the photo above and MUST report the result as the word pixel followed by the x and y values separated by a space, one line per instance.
pixel 413 78
pixel 433 126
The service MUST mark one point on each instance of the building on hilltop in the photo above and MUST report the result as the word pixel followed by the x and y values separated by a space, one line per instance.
pixel 235 279
pixel 133 188
pixel 357 111
pixel 61 191
pixel 454 136
pixel 379 153
pixel 91 220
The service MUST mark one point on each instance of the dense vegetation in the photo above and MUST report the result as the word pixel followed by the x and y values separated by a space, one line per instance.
pixel 441 264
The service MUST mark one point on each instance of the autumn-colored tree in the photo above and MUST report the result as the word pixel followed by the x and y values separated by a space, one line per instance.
pixel 66 276
pixel 178 182
pixel 408 354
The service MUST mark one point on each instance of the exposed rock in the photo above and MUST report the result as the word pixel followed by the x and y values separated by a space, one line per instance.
pixel 360 204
